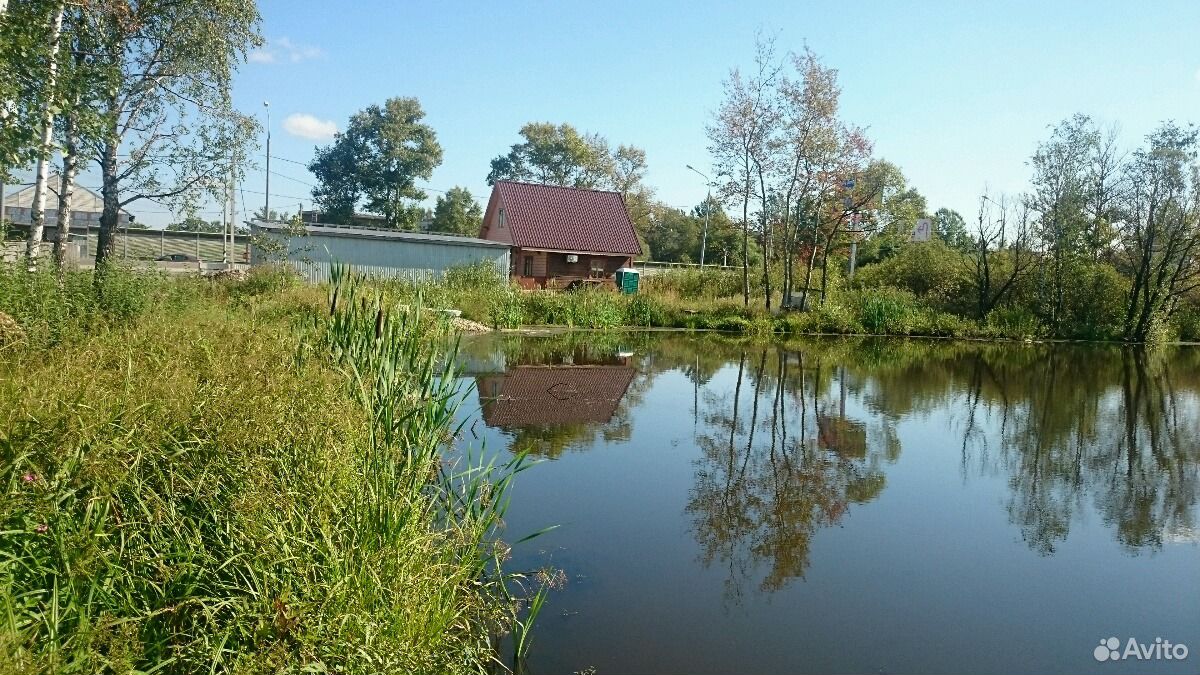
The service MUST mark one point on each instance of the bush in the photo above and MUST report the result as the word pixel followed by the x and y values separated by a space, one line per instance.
pixel 1012 322
pixel 931 271
pixel 51 310
pixel 1187 323
pixel 173 505
pixel 476 276
pixel 505 309
pixel 644 310
pixel 887 311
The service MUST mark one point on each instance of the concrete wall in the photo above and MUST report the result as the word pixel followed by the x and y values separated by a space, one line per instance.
pixel 312 254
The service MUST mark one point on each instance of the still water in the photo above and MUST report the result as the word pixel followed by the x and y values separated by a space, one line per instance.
pixel 857 506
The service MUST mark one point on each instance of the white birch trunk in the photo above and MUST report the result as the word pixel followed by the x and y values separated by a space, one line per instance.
pixel 66 193
pixel 37 215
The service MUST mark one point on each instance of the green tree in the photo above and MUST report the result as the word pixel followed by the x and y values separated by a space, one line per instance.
pixel 674 235
pixel 556 155
pixel 194 224
pixel 457 212
pixel 949 226
pixel 167 128
pixel 1160 233
pixel 383 152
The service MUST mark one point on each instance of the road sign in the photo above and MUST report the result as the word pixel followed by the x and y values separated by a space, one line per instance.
pixel 923 230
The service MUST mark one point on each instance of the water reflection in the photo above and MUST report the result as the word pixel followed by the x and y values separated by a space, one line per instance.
pixel 780 459
pixel 783 500
pixel 552 396
pixel 790 437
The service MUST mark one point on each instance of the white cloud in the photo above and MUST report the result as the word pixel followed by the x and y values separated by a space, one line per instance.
pixel 307 126
pixel 284 50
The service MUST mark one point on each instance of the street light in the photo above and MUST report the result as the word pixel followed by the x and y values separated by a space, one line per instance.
pixel 267 191
pixel 707 208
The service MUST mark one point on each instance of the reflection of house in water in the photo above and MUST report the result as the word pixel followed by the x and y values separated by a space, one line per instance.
pixel 844 437
pixel 549 396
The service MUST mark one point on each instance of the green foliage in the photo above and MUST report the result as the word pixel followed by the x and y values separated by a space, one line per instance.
pixel 51 310
pixel 457 212
pixel 1016 322
pixel 205 489
pixel 887 311
pixel 645 310
pixel 695 283
pixel 557 155
pixel 505 308
pixel 1187 322
pixel 931 271
pixel 383 152
pixel 194 224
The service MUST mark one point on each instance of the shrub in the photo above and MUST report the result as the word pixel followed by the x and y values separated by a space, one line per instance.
pixel 644 310
pixel 931 271
pixel 476 276
pixel 505 309
pixel 887 311
pixel 1187 323
pixel 1012 322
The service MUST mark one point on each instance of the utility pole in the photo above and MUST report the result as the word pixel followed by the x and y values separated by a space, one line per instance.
pixel 267 191
pixel 707 209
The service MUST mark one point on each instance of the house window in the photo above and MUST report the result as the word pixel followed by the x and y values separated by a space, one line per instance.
pixel 500 219
pixel 528 265
pixel 597 267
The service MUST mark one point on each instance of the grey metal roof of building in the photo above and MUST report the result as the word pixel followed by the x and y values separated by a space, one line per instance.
pixel 374 233
pixel 83 199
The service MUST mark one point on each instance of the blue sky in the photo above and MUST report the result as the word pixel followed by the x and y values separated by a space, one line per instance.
pixel 956 93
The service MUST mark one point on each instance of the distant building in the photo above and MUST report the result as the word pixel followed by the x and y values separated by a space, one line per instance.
pixel 86 207
pixel 560 236
pixel 375 252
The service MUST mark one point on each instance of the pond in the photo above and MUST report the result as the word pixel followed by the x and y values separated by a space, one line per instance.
pixel 848 505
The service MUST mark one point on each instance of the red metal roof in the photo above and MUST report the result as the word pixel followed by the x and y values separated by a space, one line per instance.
pixel 567 219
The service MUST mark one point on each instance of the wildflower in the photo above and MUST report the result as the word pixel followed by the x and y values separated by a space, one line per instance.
pixel 42 528
pixel 29 477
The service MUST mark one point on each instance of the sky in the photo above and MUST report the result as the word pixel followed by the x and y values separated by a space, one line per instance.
pixel 958 94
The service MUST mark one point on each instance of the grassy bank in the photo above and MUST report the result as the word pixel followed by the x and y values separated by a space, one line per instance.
pixel 231 477
pixel 901 297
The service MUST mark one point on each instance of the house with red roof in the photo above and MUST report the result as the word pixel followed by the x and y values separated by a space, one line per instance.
pixel 560 236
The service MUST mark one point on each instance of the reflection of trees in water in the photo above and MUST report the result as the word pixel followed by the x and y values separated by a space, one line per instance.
pixel 1076 431
pixel 779 461
pixel 1117 429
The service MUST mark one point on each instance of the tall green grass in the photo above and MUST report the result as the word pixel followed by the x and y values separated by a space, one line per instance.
pixel 245 480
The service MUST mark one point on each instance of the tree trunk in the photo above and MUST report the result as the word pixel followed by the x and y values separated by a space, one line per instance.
pixel 812 261
pixel 66 192
pixel 746 244
pixel 109 191
pixel 37 211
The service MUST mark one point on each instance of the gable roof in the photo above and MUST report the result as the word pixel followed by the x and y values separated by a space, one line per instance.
pixel 567 219
pixel 82 200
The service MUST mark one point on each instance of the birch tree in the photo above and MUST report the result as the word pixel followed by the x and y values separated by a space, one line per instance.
pixel 45 148
pixel 738 136
pixel 168 129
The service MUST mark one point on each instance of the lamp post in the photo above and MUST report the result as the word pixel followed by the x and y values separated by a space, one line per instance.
pixel 267 190
pixel 707 208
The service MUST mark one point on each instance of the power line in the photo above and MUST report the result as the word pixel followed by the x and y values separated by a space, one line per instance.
pixel 297 180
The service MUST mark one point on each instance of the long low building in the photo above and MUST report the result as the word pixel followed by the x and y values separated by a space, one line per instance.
pixel 379 253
